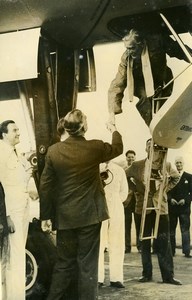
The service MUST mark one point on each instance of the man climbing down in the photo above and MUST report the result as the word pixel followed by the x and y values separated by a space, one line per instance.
pixel 143 70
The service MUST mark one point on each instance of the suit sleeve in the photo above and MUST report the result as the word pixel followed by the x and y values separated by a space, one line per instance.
pixel 117 87
pixel 188 197
pixel 47 189
pixel 114 149
pixel 173 177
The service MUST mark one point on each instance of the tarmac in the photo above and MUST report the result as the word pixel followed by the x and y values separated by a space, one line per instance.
pixel 155 289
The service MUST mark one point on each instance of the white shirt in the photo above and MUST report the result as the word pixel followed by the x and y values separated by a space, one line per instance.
pixel 15 172
pixel 117 190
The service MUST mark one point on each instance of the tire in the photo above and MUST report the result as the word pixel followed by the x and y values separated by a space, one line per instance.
pixel 40 259
pixel 31 270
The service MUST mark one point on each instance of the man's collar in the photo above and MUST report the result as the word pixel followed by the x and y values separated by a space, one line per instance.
pixel 180 172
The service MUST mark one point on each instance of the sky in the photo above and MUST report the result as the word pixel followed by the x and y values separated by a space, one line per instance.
pixel 131 126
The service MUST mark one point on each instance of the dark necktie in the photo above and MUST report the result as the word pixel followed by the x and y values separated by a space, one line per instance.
pixel 152 186
pixel 15 152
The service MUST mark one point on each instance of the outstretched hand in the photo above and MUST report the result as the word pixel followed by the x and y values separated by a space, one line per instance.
pixel 111 123
pixel 111 118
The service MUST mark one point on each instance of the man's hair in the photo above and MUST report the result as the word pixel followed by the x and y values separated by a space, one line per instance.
pixel 3 127
pixel 130 152
pixel 60 127
pixel 179 158
pixel 134 37
pixel 74 122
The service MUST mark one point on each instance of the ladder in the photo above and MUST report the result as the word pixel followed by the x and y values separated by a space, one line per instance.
pixel 156 104
pixel 159 178
pixel 156 180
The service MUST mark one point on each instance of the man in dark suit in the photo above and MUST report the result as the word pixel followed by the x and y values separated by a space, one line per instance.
pixel 138 171
pixel 179 200
pixel 129 207
pixel 143 71
pixel 71 182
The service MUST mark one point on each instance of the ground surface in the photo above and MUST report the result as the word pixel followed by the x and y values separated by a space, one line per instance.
pixel 155 290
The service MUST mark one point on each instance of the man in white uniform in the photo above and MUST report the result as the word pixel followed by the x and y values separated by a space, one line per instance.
pixel 14 176
pixel 116 192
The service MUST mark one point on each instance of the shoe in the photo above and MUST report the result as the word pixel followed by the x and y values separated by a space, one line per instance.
pixel 116 284
pixel 188 255
pixel 145 279
pixel 172 281
pixel 139 249
pixel 100 284
pixel 128 251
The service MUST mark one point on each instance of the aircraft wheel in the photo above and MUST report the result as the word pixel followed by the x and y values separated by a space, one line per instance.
pixel 40 259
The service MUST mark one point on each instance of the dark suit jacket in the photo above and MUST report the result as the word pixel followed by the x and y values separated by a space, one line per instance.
pixel 3 223
pixel 71 181
pixel 183 190
pixel 137 172
pixel 158 46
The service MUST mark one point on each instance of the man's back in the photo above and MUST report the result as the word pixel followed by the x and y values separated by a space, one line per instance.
pixel 78 193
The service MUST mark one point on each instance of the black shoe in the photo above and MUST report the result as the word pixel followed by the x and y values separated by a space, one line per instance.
pixel 188 255
pixel 139 249
pixel 128 250
pixel 145 279
pixel 172 281
pixel 116 284
pixel 100 284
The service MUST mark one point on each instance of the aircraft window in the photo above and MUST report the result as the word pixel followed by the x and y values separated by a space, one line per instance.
pixel 87 82
pixel 15 59
pixel 8 90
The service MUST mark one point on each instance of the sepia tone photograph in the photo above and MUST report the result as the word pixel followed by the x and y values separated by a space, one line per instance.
pixel 95 149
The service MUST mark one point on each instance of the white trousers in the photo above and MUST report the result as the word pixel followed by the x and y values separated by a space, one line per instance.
pixel 115 233
pixel 15 275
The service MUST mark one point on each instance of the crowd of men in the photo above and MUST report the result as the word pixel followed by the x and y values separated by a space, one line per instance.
pixel 83 208
pixel 89 213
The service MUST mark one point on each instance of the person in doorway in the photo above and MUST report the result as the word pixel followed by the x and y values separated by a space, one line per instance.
pixel 71 180
pixel 116 191
pixel 139 172
pixel 15 175
pixel 129 207
pixel 179 200
pixel 143 70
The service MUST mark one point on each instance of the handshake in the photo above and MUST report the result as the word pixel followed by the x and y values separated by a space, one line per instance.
pixel 180 202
